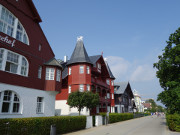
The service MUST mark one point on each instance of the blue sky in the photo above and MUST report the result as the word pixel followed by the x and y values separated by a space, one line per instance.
pixel 130 33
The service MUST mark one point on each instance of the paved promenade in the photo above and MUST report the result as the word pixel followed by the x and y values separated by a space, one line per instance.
pixel 141 126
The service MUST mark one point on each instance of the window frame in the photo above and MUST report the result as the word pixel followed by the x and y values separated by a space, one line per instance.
pixel 81 69
pixel 99 67
pixel 69 89
pixel 88 87
pixel 81 87
pixel 40 72
pixel 88 70
pixel 50 73
pixel 12 103
pixel 6 64
pixel 40 105
pixel 108 81
pixel 70 70
pixel 11 26
pixel 58 75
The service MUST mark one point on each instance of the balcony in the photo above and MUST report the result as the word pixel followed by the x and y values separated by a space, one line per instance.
pixel 99 82
pixel 104 99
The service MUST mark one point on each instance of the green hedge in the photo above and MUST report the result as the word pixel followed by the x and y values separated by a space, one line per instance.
pixel 41 125
pixel 116 117
pixel 173 122
pixel 140 114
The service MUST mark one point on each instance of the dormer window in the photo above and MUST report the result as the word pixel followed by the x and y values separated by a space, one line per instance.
pixel 99 67
pixel 11 26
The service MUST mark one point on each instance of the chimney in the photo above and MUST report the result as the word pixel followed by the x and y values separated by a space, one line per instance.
pixel 65 58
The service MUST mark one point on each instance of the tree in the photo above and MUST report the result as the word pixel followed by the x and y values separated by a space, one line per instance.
pixel 168 72
pixel 77 99
pixel 153 105
pixel 92 100
pixel 83 99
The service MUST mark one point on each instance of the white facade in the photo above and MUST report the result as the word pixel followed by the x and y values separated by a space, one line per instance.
pixel 62 108
pixel 28 102
pixel 138 101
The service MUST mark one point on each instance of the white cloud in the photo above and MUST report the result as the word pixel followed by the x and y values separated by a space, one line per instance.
pixel 124 70
pixel 143 73
pixel 118 65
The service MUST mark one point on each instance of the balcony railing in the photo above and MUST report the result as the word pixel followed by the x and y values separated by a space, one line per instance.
pixel 100 82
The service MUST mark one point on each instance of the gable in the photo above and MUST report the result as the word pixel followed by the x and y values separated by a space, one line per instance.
pixel 26 7
pixel 104 70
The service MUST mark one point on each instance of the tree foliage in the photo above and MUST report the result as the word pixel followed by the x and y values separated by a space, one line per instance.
pixel 76 99
pixel 168 72
pixel 92 100
pixel 83 99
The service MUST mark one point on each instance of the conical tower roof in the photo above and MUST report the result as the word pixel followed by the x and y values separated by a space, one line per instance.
pixel 79 55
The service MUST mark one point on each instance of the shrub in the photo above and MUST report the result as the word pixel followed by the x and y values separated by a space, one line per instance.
pixel 173 122
pixel 117 117
pixel 41 125
pixel 138 114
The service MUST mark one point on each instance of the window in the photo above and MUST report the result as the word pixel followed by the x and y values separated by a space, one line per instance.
pixel 107 81
pixel 112 96
pixel 11 26
pixel 69 89
pixel 99 67
pixel 88 87
pixel 1 58
pixel 112 83
pixel 81 88
pixel 81 69
pixel 40 46
pixel 39 108
pixel 49 73
pixel 87 70
pixel 69 70
pixel 58 75
pixel 108 95
pixel 9 102
pixel 39 72
pixel 13 62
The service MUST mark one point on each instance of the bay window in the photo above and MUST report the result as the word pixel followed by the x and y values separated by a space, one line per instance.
pixel 49 73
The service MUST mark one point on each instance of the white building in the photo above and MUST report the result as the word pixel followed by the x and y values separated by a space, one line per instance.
pixel 138 101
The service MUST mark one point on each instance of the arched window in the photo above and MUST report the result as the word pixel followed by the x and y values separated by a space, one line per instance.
pixel 9 102
pixel 11 26
pixel 13 62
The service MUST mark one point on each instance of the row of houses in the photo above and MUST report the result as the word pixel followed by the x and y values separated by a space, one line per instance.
pixel 33 83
